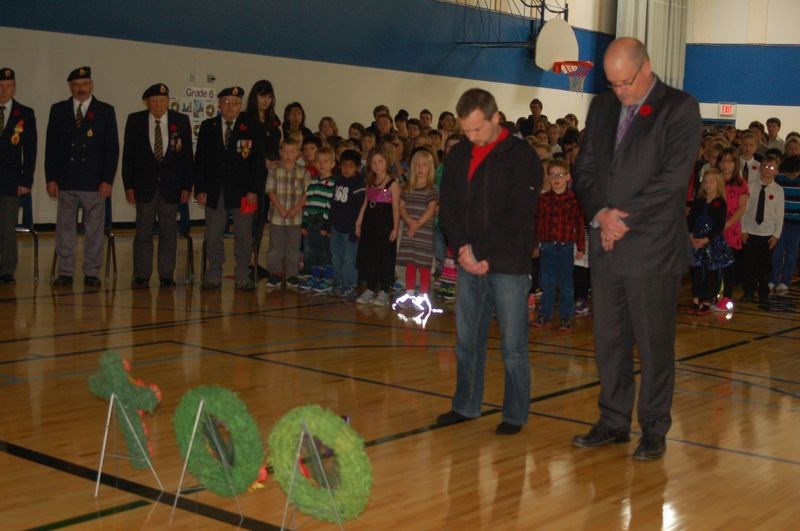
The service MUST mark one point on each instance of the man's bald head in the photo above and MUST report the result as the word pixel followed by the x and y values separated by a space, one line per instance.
pixel 627 68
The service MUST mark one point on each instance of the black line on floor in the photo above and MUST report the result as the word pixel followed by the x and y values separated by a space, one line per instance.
pixel 88 517
pixel 39 357
pixel 132 487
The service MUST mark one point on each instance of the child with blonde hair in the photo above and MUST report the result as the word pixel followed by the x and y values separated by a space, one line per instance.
pixel 711 254
pixel 418 204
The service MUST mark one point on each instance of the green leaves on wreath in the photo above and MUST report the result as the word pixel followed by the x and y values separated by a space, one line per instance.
pixel 133 396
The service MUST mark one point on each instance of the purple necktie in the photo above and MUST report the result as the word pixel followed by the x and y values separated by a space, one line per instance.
pixel 624 124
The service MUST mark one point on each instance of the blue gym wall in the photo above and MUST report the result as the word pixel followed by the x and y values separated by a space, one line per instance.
pixel 408 35
pixel 744 73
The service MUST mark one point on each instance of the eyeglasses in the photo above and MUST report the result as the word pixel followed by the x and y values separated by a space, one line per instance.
pixel 623 84
pixel 556 175
pixel 769 167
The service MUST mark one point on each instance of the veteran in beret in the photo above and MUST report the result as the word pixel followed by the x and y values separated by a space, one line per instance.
pixel 17 161
pixel 229 172
pixel 157 167
pixel 81 155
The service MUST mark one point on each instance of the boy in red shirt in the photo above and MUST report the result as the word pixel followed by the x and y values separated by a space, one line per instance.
pixel 559 230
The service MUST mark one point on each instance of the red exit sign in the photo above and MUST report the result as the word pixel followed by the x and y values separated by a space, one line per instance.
pixel 726 110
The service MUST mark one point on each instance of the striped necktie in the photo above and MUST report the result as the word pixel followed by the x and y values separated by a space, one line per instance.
pixel 158 150
pixel 79 117
pixel 228 133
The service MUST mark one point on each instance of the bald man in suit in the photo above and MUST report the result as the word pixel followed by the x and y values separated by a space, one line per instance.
pixel 631 176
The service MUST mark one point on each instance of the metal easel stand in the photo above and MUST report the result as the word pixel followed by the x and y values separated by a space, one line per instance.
pixel 222 456
pixel 317 459
pixel 145 453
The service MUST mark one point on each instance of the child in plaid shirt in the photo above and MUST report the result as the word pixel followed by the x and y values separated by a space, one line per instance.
pixel 559 230
pixel 286 186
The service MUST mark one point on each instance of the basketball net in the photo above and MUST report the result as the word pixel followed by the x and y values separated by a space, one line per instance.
pixel 576 72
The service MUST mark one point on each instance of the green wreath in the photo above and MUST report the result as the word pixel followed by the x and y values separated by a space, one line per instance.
pixel 354 469
pixel 241 442
pixel 133 396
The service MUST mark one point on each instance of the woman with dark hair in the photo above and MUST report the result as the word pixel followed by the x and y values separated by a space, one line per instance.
pixel 294 119
pixel 261 109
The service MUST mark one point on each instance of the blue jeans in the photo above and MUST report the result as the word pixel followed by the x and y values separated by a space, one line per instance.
pixel 316 248
pixel 477 298
pixel 343 252
pixel 785 258
pixel 556 266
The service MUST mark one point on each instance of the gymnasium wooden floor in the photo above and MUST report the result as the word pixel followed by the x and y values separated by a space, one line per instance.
pixel 733 458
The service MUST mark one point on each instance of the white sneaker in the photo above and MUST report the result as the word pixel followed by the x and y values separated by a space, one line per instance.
pixel 382 299
pixel 781 288
pixel 367 297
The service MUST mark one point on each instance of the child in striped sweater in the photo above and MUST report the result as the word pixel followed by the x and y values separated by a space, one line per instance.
pixel 316 225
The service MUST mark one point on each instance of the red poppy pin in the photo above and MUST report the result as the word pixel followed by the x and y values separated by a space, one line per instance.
pixel 90 115
pixel 715 203
pixel 242 127
pixel 173 127
pixel 754 167
pixel 771 197
pixel 645 110
pixel 16 112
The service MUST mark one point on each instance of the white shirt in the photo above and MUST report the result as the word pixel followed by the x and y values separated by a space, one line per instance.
pixel 773 210
pixel 753 170
pixel 778 143
pixel 151 132
pixel 84 106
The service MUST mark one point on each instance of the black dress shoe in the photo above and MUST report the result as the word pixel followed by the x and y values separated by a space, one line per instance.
pixel 63 280
pixel 600 435
pixel 506 428
pixel 651 447
pixel 139 283
pixel 451 417
pixel 91 282
pixel 167 283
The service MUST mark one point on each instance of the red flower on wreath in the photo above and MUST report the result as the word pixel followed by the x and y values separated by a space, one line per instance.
pixel 645 110
pixel 173 128
pixel 90 115
pixel 771 197
pixel 242 127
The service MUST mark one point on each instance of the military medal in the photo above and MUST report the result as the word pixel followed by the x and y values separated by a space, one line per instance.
pixel 178 145
pixel 90 133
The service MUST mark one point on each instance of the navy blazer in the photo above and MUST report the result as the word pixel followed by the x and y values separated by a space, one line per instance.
pixel 17 149
pixel 646 176
pixel 140 169
pixel 237 169
pixel 80 158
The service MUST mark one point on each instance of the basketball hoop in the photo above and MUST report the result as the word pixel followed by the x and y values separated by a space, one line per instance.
pixel 576 70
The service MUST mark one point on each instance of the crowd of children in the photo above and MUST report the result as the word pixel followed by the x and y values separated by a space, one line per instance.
pixel 367 204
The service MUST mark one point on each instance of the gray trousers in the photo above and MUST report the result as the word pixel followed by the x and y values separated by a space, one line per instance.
pixel 216 218
pixel 167 238
pixel 9 210
pixel 284 250
pixel 94 218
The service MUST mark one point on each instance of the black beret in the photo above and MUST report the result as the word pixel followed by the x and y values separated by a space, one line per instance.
pixel 159 89
pixel 231 91
pixel 6 74
pixel 83 72
pixel 351 155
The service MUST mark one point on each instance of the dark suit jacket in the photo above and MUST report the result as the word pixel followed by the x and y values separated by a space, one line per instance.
pixel 141 171
pixel 646 176
pixel 79 159
pixel 17 149
pixel 236 169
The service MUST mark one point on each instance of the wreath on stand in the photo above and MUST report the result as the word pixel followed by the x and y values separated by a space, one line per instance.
pixel 133 396
pixel 354 471
pixel 227 440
